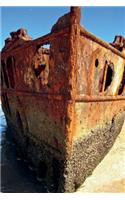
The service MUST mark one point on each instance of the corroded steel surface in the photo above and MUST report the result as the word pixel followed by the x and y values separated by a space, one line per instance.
pixel 65 104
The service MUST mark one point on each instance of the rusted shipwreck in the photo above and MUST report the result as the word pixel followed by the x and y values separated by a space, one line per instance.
pixel 65 105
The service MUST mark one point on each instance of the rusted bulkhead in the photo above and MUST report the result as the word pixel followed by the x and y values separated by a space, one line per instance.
pixel 64 102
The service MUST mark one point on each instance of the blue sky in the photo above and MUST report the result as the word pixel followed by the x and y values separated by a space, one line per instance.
pixel 104 22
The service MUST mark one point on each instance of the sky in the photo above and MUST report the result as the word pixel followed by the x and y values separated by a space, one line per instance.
pixel 104 22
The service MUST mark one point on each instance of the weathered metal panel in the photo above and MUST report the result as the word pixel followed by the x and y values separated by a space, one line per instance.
pixel 65 105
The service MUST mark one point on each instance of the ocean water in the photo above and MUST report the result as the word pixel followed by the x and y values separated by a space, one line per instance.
pixel 16 174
